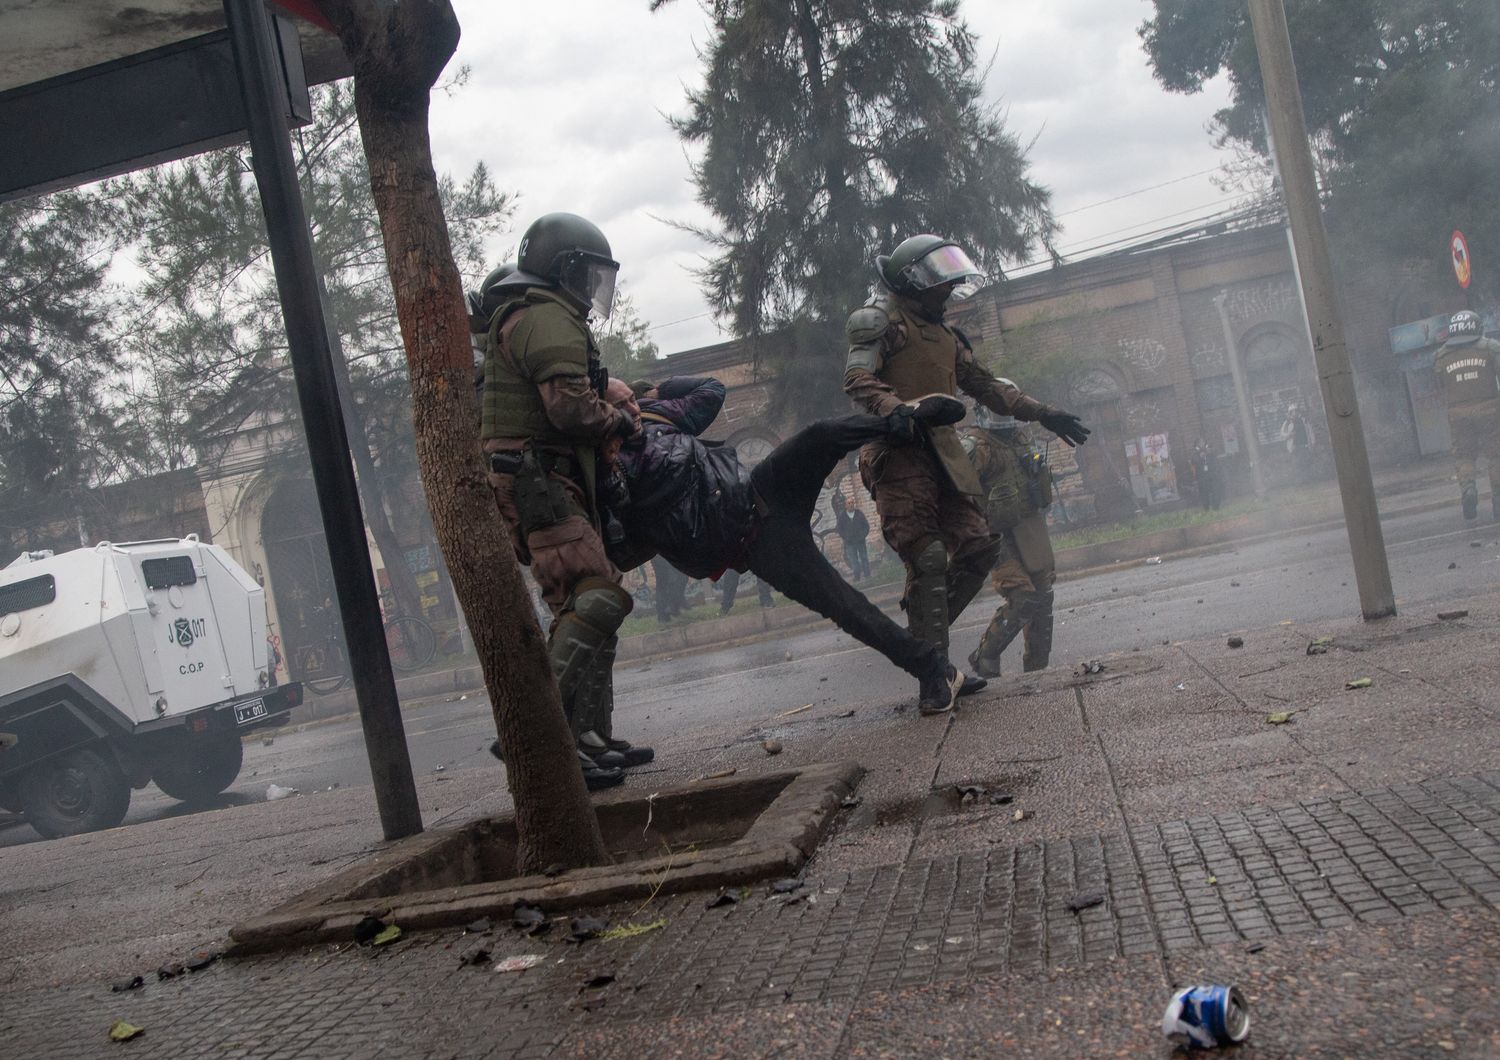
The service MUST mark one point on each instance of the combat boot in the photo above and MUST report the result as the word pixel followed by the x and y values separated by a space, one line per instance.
pixel 1010 619
pixel 1471 500
pixel 1039 636
pixel 587 626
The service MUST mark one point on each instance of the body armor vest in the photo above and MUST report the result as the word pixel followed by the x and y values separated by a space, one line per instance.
pixel 926 362
pixel 1467 372
pixel 512 404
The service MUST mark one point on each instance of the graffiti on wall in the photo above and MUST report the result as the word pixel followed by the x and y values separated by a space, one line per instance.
pixel 1144 354
pixel 1270 298
pixel 1209 359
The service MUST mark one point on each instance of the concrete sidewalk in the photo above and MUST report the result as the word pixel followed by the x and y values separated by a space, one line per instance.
pixel 1342 868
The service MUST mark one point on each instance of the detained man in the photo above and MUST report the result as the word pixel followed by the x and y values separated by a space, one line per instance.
pixel 695 504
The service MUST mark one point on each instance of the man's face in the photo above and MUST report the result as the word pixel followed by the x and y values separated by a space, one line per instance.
pixel 619 394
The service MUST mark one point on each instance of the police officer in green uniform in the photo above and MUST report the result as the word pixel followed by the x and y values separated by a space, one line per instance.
pixel 543 422
pixel 927 496
pixel 1017 488
pixel 1465 365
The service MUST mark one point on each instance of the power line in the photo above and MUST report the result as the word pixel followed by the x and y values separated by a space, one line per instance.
pixel 1138 191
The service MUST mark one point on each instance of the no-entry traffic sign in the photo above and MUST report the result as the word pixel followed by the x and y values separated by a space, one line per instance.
pixel 1463 267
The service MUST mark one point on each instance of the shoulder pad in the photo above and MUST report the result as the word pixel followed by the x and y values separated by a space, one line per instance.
pixel 866 324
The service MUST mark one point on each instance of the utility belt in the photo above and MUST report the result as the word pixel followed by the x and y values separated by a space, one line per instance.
pixel 1021 491
pixel 542 499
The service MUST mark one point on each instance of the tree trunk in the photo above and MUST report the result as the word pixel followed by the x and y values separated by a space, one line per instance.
pixel 397 52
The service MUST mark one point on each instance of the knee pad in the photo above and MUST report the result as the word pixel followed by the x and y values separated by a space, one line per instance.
pixel 601 603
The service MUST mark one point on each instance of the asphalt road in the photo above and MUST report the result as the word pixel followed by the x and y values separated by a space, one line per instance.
pixel 1303 578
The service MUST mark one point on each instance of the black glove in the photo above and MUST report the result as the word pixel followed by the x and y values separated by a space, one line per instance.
pixel 1065 425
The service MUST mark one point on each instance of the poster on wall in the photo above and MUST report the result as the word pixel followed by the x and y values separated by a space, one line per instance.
pixel 1151 473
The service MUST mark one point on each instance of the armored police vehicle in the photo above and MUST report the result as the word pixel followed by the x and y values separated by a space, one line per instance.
pixel 125 664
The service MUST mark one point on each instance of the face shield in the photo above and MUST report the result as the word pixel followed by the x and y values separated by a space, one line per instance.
pixel 945 264
pixel 590 278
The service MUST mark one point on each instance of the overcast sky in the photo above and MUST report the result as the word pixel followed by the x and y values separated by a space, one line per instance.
pixel 567 106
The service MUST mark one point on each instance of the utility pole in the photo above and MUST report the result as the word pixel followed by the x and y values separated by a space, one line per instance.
pixel 1251 444
pixel 1294 162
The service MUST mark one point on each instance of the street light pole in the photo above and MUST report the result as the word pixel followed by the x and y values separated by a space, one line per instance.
pixel 317 393
pixel 1251 443
pixel 1293 157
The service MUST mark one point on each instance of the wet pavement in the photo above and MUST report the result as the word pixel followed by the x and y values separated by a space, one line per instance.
pixel 1342 867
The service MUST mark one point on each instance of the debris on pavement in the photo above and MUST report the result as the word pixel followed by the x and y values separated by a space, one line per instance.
pixel 721 899
pixel 771 747
pixel 276 791
pixel 478 927
pixel 1000 798
pixel 367 929
pixel 969 793
pixel 1452 616
pixel 786 886
pixel 1234 585
pixel 1453 566
pixel 1206 1017
pixel 1476 544
pixel 387 935
pixel 1020 815
pixel 630 931
pixel 851 801
pixel 1093 666
pixel 169 971
pixel 268 741
pixel 135 982
pixel 1280 717
pixel 794 710
pixel 1319 646
pixel 1236 642
pixel 555 869
pixel 529 919
pixel 1255 947
pixel 583 928
pixel 439 769
pixel 1360 682
pixel 476 957
pixel 521 963
pixel 721 774
pixel 846 713
pixel 1078 903
pixel 200 960
pixel 596 981
pixel 120 1031
pixel 1153 561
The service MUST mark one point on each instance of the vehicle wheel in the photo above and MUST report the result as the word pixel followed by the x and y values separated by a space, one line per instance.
pixel 200 767
pixel 411 643
pixel 325 685
pixel 82 791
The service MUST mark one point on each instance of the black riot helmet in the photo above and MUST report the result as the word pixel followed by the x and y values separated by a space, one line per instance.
pixel 568 252
pixel 484 302
pixel 924 262
pixel 1464 327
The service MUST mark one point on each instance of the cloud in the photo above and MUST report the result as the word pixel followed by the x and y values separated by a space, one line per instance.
pixel 567 106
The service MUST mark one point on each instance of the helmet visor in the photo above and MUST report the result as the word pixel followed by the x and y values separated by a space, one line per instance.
pixel 945 264
pixel 591 279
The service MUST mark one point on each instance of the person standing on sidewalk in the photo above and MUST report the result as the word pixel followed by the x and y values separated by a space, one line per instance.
pixel 1206 475
pixel 1465 365
pixel 697 505
pixel 544 418
pixel 899 350
pixel 1018 491
pixel 853 530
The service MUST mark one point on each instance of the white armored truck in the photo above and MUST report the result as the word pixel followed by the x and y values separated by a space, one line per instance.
pixel 126 664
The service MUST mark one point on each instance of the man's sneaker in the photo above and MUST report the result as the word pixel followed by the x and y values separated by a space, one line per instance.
pixel 937 410
pixel 630 755
pixel 935 692
pixel 983 666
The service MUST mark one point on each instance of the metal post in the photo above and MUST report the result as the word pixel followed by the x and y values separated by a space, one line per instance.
pixel 327 443
pixel 1372 573
pixel 1241 396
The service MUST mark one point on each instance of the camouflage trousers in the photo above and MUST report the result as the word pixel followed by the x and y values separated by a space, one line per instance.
pixel 1476 432
pixel 1026 569
pixel 916 503
pixel 562 555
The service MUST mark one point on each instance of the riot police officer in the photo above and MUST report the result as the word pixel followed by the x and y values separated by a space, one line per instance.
pixel 926 496
pixel 543 421
pixel 1465 365
pixel 1017 488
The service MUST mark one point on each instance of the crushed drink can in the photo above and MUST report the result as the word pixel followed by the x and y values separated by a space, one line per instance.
pixel 1206 1017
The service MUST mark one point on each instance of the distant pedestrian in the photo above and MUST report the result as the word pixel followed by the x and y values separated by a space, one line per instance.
pixel 853 530
pixel 671 588
pixel 729 586
pixel 1206 475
